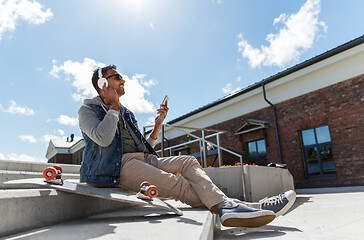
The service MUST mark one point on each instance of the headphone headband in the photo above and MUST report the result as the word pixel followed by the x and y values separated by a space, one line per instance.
pixel 100 72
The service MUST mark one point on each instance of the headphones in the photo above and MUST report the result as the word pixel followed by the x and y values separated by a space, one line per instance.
pixel 102 81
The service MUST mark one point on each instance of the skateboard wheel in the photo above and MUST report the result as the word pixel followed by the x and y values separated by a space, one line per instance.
pixel 50 173
pixel 57 167
pixel 152 191
pixel 144 184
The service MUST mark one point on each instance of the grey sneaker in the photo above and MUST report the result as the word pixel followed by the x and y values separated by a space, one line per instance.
pixel 279 204
pixel 243 216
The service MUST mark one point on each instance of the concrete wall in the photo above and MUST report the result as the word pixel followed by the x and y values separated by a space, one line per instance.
pixel 12 170
pixel 259 181
pixel 23 208
pixel 35 166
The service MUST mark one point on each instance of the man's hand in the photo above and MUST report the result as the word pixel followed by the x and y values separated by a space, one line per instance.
pixel 161 115
pixel 110 97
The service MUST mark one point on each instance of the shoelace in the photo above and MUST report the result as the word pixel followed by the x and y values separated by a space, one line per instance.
pixel 272 200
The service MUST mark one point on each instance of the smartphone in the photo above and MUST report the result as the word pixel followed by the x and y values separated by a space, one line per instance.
pixel 165 100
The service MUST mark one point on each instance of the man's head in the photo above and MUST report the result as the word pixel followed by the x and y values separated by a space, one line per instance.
pixel 114 79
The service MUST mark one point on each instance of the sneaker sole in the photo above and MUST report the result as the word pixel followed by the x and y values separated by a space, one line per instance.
pixel 248 222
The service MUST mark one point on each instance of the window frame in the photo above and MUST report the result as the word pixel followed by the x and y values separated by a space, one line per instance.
pixel 259 156
pixel 317 145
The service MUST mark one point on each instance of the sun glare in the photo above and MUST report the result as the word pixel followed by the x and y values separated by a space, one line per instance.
pixel 136 5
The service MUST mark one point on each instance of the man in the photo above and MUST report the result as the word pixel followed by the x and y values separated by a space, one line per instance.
pixel 116 154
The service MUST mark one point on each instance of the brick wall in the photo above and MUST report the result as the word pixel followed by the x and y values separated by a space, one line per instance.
pixel 61 158
pixel 75 158
pixel 340 106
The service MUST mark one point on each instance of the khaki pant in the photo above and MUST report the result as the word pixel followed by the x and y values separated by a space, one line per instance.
pixel 178 177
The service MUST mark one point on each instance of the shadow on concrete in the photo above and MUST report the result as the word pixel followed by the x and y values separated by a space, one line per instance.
pixel 268 231
pixel 258 234
pixel 299 201
pixel 189 221
pixel 97 226
pixel 71 231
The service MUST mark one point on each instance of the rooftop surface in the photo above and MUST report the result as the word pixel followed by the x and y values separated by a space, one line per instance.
pixel 322 213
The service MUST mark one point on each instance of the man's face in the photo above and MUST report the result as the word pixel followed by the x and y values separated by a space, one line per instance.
pixel 113 78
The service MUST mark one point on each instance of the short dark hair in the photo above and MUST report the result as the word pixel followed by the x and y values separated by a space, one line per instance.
pixel 95 75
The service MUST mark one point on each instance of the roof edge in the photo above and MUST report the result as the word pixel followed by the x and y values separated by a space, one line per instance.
pixel 351 44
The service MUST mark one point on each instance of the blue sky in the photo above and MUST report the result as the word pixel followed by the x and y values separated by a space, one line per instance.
pixel 194 51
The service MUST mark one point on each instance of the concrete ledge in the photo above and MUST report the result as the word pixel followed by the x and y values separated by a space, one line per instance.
pixel 259 181
pixel 48 213
pixel 208 227
pixel 35 166
pixel 12 170
pixel 6 175
pixel 131 223
pixel 31 208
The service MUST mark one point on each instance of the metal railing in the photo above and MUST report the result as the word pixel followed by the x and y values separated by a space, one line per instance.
pixel 202 142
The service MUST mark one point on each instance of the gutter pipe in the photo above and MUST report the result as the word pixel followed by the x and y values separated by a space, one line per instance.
pixel 275 123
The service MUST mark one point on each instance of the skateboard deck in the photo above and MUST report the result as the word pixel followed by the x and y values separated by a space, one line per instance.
pixel 104 193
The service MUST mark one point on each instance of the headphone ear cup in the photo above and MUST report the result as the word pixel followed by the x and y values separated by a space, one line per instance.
pixel 101 82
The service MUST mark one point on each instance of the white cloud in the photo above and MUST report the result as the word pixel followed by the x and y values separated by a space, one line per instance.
pixel 28 138
pixel 134 97
pixel 151 25
pixel 13 11
pixel 297 34
pixel 21 157
pixel 150 122
pixel 216 2
pixel 60 132
pixel 80 74
pixel 47 137
pixel 78 97
pixel 66 120
pixel 228 89
pixel 149 83
pixel 15 109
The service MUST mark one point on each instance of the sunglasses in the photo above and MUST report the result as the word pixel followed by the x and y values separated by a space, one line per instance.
pixel 116 75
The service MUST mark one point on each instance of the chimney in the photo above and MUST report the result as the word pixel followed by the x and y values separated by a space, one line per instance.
pixel 72 136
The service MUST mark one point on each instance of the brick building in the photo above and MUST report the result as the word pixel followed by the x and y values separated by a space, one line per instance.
pixel 65 151
pixel 309 117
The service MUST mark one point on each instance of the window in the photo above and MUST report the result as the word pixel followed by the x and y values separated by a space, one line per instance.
pixel 257 149
pixel 317 153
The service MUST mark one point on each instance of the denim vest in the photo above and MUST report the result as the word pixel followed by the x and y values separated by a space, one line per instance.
pixel 101 165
